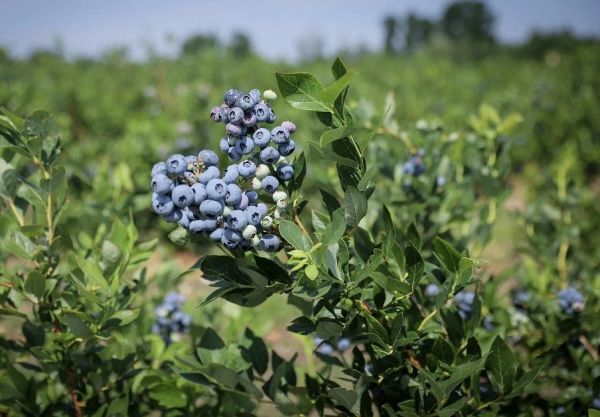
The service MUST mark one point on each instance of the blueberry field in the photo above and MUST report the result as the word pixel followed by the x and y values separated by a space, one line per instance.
pixel 396 233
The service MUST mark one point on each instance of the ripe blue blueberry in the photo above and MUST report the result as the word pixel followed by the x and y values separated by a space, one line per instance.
pixel 255 94
pixel 199 193
pixel 208 157
pixel 464 301
pixel 224 114
pixel 233 129
pixel 196 226
pixel 269 155
pixel 191 159
pixel 243 203
pixel 280 135
pixel 432 290
pixel 215 114
pixel 286 149
pixel 262 111
pixel 216 189
pixel 343 344
pixel 262 137
pixel 285 172
pixel 182 196
pixel 570 300
pixel 236 115
pixel 229 244
pixel 211 208
pixel 244 145
pixel 176 164
pixel 237 220
pixel 233 235
pixel 217 234
pixel 262 209
pixel 234 195
pixel 246 168
pixel 269 243
pixel 224 145
pixel 161 184
pixel 234 155
pixel 209 173
pixel 272 116
pixel 253 215
pixel 245 102
pixel 173 216
pixel 159 168
pixel 252 196
pixel 250 120
pixel 231 96
pixel 231 174
pixel 270 184
pixel 162 204
pixel 324 348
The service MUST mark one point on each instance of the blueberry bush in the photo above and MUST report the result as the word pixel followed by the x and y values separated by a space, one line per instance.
pixel 379 236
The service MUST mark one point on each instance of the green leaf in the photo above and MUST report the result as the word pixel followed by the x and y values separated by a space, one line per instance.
pixel 312 272
pixel 331 135
pixel 447 255
pixel 302 325
pixel 593 413
pixel 366 178
pixel 20 245
pixel 330 202
pixel 35 284
pixel 77 326
pixel 338 69
pixel 221 268
pixel 118 407
pixel 343 397
pixel 302 91
pixel 355 206
pixel 414 265
pixel 443 350
pixel 460 373
pixel 336 229
pixel 292 233
pixel 327 328
pixel 168 396
pixel 501 366
pixel 92 273
pixel 34 334
pixel 331 92
pixel 272 270
pixel 211 340
pixel 8 182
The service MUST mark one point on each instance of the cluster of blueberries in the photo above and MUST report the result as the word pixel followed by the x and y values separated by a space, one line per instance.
pixel 570 300
pixel 415 166
pixel 326 348
pixel 170 320
pixel 225 207
pixel 464 300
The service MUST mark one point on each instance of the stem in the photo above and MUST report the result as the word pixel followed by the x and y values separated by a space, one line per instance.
pixel 300 224
pixel 562 259
pixel 70 378
pixel 426 319
pixel 409 145
pixel 16 213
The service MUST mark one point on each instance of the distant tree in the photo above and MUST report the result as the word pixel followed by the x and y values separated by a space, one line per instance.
pixel 417 32
pixel 469 21
pixel 240 45
pixel 540 43
pixel 198 43
pixel 390 26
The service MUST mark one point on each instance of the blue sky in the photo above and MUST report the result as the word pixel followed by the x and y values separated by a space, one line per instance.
pixel 277 27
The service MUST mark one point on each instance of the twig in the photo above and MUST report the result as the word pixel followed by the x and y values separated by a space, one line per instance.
pixel 588 346
pixel 70 378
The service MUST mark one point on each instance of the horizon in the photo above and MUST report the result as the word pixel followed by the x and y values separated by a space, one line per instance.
pixel 91 29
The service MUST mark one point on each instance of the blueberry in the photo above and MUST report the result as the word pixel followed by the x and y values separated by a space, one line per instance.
pixel 244 145
pixel 211 208
pixel 224 114
pixel 234 195
pixel 343 344
pixel 199 193
pixel 464 302
pixel 216 189
pixel 414 166
pixel 570 300
pixel 232 235
pixel 216 235
pixel 173 216
pixel 233 129
pixel 208 157
pixel 270 184
pixel 236 115
pixel 245 245
pixel 253 215
pixel 250 120
pixel 159 168
pixel 440 181
pixel 161 184
pixel 190 178
pixel 176 164
pixel 255 94
pixel 237 220
pixel 262 137
pixel 224 145
pixel 262 111
pixel 215 114
pixel 432 290
pixel 289 126
pixel 162 204
pixel 279 135
pixel 229 244
pixel 243 204
pixel 252 196
pixel 325 348
pixel 182 195
pixel 269 243
pixel 262 209
pixel 245 102
pixel 234 155
pixel 269 155
pixel 286 149
pixel 246 168
pixel 230 97
pixel 285 172
pixel 196 226
pixel 249 232
pixel 231 174
pixel 271 118
pixel 209 174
